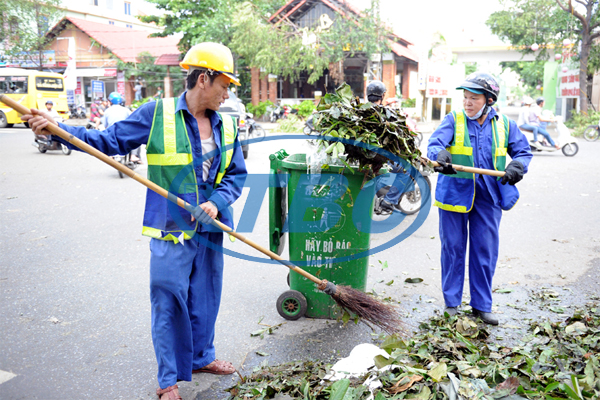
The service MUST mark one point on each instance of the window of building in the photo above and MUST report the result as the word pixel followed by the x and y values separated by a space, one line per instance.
pixel 94 2
pixel 129 26
pixel 111 22
pixel 127 8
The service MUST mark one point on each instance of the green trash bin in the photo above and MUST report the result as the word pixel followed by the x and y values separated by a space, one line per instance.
pixel 317 214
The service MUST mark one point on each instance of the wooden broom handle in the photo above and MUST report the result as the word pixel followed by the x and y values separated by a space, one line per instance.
pixel 471 170
pixel 58 131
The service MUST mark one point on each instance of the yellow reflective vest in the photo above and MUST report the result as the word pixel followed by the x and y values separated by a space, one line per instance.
pixel 169 153
pixel 457 192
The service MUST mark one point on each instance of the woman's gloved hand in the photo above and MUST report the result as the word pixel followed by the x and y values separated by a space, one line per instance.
pixel 513 173
pixel 444 158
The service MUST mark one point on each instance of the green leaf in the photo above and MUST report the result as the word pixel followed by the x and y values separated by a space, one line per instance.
pixel 558 310
pixel 439 372
pixel 390 283
pixel 413 280
pixel 552 386
pixel 503 290
pixel 381 361
pixel 262 353
pixel 339 389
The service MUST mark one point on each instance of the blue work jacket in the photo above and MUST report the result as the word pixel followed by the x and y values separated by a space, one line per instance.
pixel 129 134
pixel 481 137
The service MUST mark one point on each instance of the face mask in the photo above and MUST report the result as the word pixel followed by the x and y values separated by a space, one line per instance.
pixel 479 114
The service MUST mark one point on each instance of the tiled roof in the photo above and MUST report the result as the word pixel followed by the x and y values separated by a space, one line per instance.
pixel 168 59
pixel 402 51
pixel 300 6
pixel 125 43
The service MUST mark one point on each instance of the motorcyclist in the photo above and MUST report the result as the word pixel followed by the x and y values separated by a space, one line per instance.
pixel 53 113
pixel 96 112
pixel 537 119
pixel 376 90
pixel 115 113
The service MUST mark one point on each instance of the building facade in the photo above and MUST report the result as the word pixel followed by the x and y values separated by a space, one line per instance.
pixel 397 69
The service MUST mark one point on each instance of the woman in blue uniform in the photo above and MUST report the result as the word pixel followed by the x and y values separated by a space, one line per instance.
pixel 470 205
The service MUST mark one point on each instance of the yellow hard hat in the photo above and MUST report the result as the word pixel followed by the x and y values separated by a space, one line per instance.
pixel 213 56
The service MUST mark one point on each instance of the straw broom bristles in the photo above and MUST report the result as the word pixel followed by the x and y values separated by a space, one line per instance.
pixel 365 307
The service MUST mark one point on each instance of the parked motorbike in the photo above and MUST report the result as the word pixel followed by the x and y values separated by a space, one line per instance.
pixel 76 111
pixel 276 112
pixel 309 126
pixel 566 142
pixel 254 129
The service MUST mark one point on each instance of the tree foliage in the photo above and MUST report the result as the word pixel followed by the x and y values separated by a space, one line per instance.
pixel 280 49
pixel 203 20
pixel 23 27
pixel 531 73
pixel 548 23
pixel 286 49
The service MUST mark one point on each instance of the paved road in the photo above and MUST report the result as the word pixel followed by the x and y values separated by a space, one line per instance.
pixel 75 317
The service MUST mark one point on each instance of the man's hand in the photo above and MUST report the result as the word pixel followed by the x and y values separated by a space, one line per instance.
pixel 513 173
pixel 444 158
pixel 205 213
pixel 38 120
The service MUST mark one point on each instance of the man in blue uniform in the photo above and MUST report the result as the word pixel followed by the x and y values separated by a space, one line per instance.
pixel 471 204
pixel 193 152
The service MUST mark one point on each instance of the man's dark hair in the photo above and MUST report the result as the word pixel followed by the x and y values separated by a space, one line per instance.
pixel 373 98
pixel 192 78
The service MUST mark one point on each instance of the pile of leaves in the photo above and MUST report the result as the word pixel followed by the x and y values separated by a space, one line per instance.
pixel 341 115
pixel 451 358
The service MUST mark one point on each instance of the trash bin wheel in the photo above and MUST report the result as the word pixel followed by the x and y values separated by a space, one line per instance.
pixel 291 305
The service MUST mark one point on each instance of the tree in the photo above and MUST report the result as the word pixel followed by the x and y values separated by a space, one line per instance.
pixel 550 22
pixel 531 73
pixel 201 21
pixel 287 50
pixel 23 27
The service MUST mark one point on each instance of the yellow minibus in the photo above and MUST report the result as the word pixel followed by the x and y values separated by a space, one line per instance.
pixel 31 88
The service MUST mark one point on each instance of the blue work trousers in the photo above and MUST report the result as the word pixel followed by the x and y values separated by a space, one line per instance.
pixel 480 227
pixel 185 293
pixel 399 182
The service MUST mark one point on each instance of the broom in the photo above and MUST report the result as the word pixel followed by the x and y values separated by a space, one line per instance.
pixel 352 300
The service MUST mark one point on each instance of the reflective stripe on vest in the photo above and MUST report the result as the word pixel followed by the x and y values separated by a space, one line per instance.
pixel 462 154
pixel 169 151
pixel 228 135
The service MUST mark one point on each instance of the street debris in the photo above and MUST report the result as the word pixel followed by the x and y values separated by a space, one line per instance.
pixel 341 115
pixel 267 330
pixel 450 358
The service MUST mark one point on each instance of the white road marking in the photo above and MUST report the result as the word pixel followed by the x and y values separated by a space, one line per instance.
pixel 5 376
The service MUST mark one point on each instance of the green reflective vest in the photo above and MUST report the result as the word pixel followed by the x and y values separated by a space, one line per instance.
pixel 169 151
pixel 457 192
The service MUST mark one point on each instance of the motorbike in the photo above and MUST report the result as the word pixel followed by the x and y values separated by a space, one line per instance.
pixel 592 132
pixel 254 129
pixel 76 112
pixel 566 142
pixel 309 126
pixel 126 161
pixel 410 201
pixel 44 143
pixel 91 125
pixel 276 112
